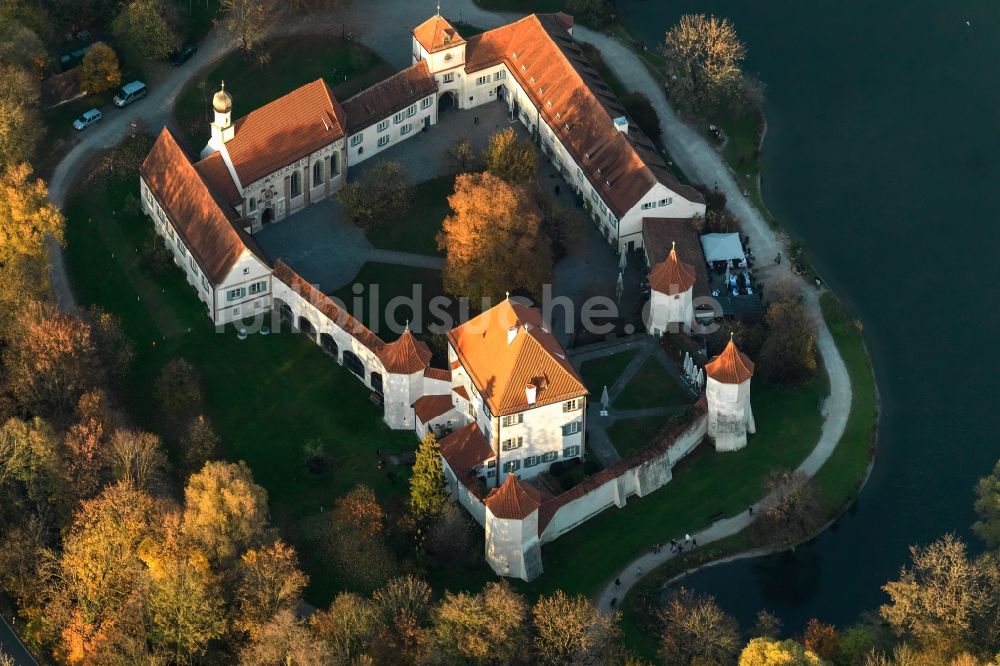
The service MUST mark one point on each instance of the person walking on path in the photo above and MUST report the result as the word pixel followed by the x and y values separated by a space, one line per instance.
pixel 638 572
pixel 687 538
pixel 694 543
pixel 750 509
pixel 618 582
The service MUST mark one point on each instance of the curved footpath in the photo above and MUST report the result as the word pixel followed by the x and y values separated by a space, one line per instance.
pixel 691 151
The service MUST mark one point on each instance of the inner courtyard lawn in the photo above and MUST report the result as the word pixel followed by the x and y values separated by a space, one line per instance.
pixel 266 396
pixel 347 67
pixel 651 386
pixel 604 371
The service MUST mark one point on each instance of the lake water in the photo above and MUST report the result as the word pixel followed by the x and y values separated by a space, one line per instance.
pixel 882 154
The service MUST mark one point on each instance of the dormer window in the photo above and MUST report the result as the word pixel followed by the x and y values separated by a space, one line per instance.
pixel 515 55
pixel 524 68
pixel 586 156
pixel 549 104
pixel 532 79
pixel 559 117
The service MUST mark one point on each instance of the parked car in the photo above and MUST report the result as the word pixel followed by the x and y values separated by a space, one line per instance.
pixel 130 92
pixel 183 54
pixel 71 59
pixel 88 118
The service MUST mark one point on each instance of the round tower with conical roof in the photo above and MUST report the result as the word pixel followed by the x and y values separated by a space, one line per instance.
pixel 222 125
pixel 671 304
pixel 727 390
pixel 404 362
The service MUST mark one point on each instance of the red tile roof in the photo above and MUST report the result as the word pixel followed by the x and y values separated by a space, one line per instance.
pixel 285 130
pixel 465 449
pixel 460 390
pixel 205 227
pixel 389 96
pixel 513 500
pixel 438 373
pixel 436 34
pixel 429 407
pixel 501 370
pixel 731 366
pixel 215 173
pixel 672 276
pixel 325 304
pixel 659 234
pixel 578 106
pixel 406 355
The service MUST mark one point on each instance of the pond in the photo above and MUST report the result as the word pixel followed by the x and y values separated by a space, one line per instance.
pixel 881 154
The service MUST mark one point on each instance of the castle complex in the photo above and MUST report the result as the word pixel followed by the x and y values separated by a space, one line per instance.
pixel 510 403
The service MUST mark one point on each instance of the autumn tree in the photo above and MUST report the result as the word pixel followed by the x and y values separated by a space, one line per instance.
pixel 269 582
pixel 427 486
pixel 944 600
pixel 142 30
pixel 703 61
pixel 20 45
pixel 510 158
pixel 51 360
pixel 383 192
pixel 767 625
pixel 26 215
pixel 793 511
pixel 356 542
pixel 696 630
pixel 485 628
pixel 225 512
pixel 771 652
pixel 788 354
pixel 114 348
pixel 100 574
pixel 19 135
pixel 987 506
pixel 99 71
pixel 493 239
pixel 184 601
pixel 285 639
pixel 347 626
pixel 570 629
pixel 199 444
pixel 136 458
pixel 31 464
pixel 247 22
pixel 403 608
pixel 85 442
pixel 822 639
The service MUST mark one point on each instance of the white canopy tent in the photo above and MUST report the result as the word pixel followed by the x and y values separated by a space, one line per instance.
pixel 722 247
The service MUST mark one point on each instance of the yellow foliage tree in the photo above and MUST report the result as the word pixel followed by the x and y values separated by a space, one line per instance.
pixel 771 652
pixel 99 71
pixel 26 215
pixel 493 239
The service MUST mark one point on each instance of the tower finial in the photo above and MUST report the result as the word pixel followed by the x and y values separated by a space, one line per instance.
pixel 438 8
pixel 508 294
pixel 407 324
pixel 222 85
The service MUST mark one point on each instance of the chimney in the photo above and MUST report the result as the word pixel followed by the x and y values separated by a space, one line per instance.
pixel 530 392
pixel 511 334
pixel 621 124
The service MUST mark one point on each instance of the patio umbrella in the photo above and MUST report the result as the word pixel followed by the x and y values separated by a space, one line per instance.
pixel 604 398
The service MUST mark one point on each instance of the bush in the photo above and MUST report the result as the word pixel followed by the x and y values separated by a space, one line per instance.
pixel 642 112
pixel 384 192
pixel 317 460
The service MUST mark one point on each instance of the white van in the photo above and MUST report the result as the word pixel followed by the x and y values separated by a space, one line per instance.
pixel 130 92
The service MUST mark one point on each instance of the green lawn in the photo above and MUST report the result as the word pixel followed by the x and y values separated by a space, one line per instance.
pixel 600 372
pixel 408 286
pixel 707 486
pixel 348 67
pixel 633 435
pixel 196 18
pixel 651 386
pixel 417 230
pixel 840 476
pixel 266 396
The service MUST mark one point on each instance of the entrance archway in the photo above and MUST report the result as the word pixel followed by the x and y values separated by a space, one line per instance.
pixel 446 101
pixel 267 217
pixel 285 311
pixel 376 383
